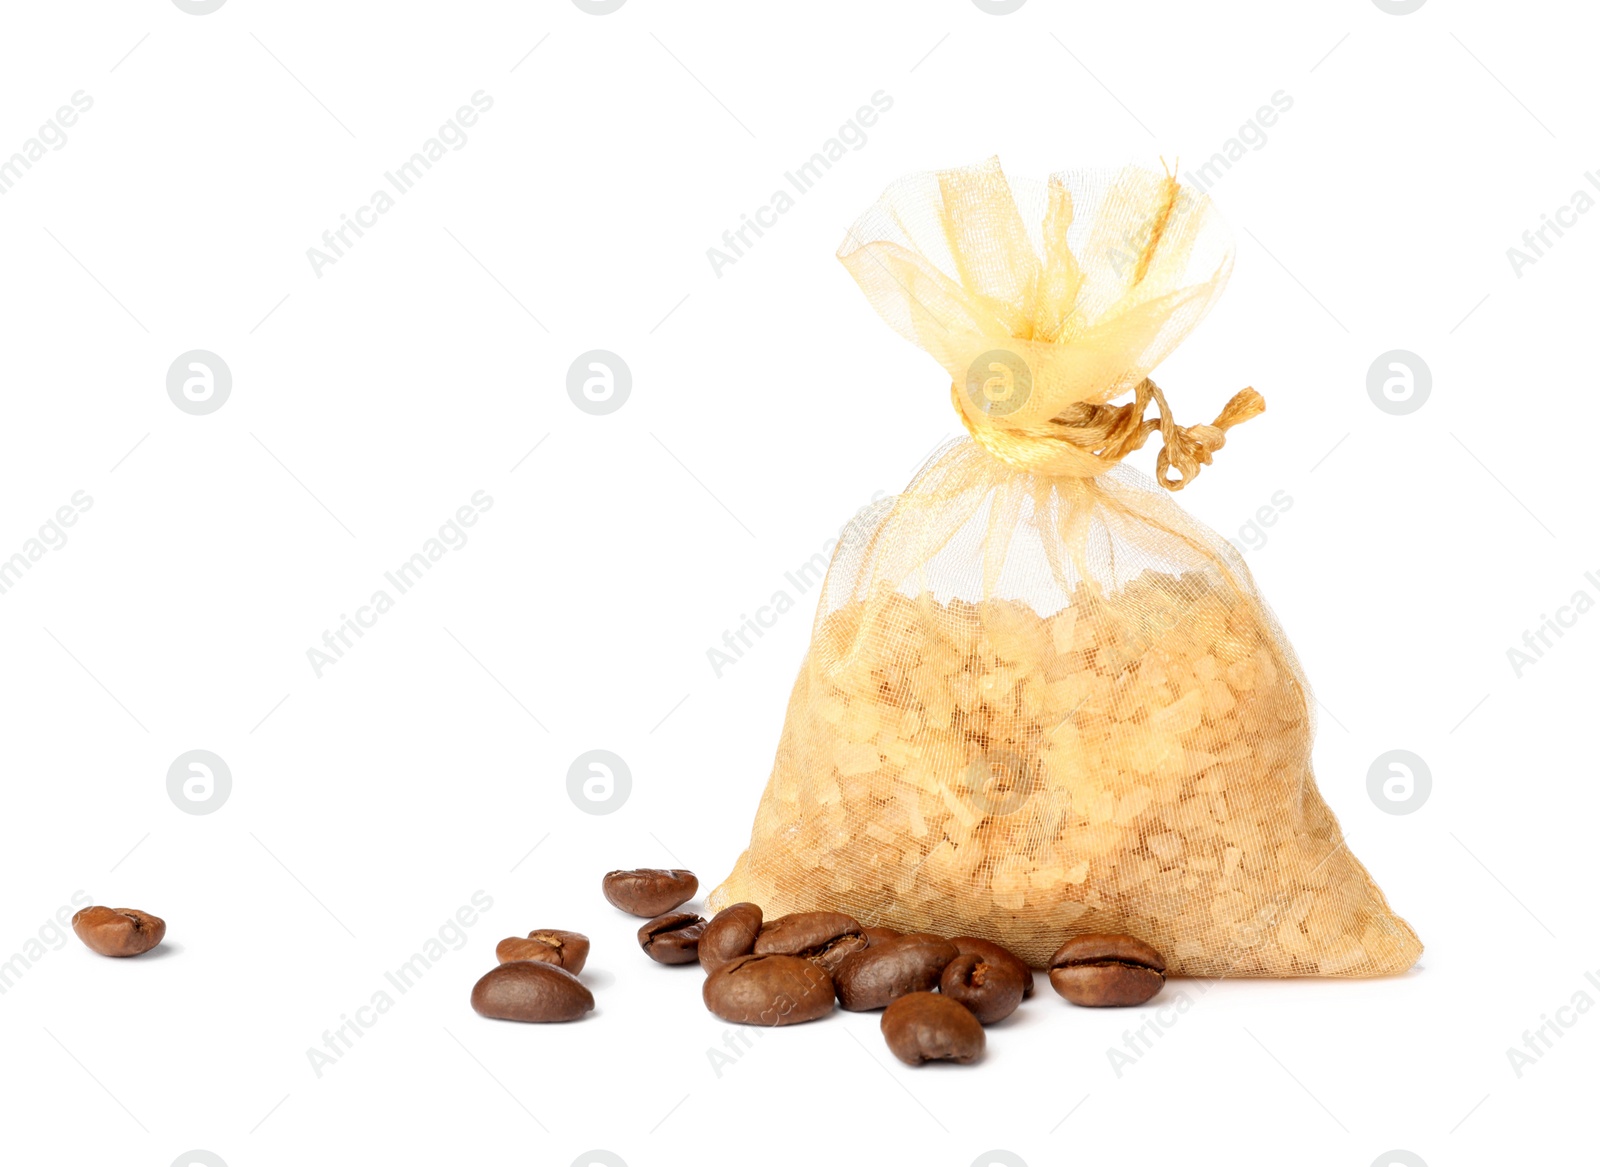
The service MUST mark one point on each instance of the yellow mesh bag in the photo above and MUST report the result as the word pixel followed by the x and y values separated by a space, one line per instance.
pixel 1040 699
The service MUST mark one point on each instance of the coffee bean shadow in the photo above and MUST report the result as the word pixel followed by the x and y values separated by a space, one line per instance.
pixel 1017 1016
pixel 1413 973
pixel 162 951
pixel 597 978
pixel 943 1065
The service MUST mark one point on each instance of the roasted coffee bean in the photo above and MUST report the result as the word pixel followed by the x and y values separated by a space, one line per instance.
pixel 925 1027
pixel 1107 969
pixel 769 990
pixel 732 932
pixel 548 945
pixel 907 964
pixel 521 948
pixel 531 990
pixel 996 954
pixel 649 891
pixel 673 938
pixel 825 937
pixel 118 931
pixel 991 991
pixel 572 948
pixel 877 935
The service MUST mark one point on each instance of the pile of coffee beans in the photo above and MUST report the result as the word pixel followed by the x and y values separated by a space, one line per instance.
pixel 936 993
pixel 537 978
pixel 118 931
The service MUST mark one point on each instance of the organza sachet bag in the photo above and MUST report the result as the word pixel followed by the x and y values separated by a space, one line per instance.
pixel 1040 699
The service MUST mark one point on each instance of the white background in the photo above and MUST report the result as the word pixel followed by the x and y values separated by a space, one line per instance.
pixel 768 405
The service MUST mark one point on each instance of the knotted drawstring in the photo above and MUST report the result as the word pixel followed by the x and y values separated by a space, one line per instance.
pixel 1086 439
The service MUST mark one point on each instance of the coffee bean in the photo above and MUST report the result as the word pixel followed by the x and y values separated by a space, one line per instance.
pixel 925 1027
pixel 548 945
pixel 521 948
pixel 877 935
pixel 673 938
pixel 996 954
pixel 649 891
pixel 1101 969
pixel 769 990
pixel 118 931
pixel 572 948
pixel 907 964
pixel 530 990
pixel 825 937
pixel 991 991
pixel 732 932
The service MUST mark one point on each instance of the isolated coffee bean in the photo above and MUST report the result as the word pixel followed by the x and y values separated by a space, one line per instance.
pixel 530 990
pixel 649 891
pixel 732 932
pixel 550 945
pixel 1102 969
pixel 925 1027
pixel 877 935
pixel 991 991
pixel 906 964
pixel 996 954
pixel 673 938
pixel 769 990
pixel 825 937
pixel 118 931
